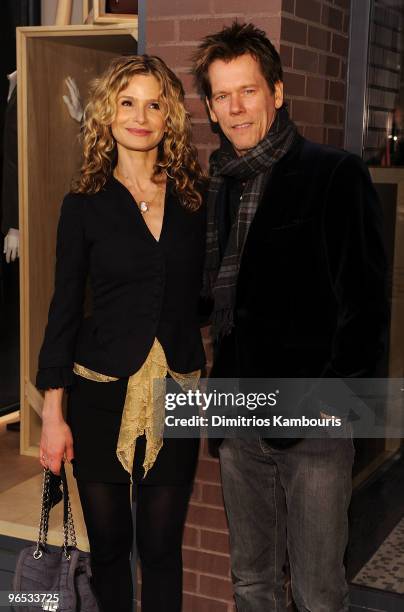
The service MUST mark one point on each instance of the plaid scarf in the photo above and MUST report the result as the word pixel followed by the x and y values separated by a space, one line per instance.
pixel 254 168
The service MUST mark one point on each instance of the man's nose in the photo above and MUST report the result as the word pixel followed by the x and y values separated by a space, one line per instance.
pixel 236 104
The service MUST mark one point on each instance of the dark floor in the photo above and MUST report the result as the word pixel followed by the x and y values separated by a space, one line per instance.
pixel 376 507
pixel 369 600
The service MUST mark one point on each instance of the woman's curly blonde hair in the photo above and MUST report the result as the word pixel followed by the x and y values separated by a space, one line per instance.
pixel 177 156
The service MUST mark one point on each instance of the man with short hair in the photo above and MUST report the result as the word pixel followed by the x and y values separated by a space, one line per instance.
pixel 295 265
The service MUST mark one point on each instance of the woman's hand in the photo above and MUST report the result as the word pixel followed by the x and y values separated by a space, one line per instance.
pixel 56 436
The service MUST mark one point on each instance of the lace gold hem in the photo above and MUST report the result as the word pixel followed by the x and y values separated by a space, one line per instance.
pixel 144 409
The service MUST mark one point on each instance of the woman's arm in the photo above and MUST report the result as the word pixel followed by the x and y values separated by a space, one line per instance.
pixel 56 356
pixel 56 438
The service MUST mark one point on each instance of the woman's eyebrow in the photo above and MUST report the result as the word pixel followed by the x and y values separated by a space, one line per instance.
pixel 133 98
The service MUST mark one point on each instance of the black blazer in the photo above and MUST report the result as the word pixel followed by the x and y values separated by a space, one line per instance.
pixel 311 294
pixel 140 288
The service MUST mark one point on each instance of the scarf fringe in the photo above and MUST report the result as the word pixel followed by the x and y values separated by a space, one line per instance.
pixel 222 323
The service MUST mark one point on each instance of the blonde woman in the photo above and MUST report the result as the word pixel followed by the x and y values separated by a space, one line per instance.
pixel 133 228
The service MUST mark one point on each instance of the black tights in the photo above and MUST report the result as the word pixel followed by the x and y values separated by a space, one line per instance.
pixel 160 518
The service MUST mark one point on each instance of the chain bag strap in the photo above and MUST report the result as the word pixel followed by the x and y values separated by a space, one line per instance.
pixel 47 503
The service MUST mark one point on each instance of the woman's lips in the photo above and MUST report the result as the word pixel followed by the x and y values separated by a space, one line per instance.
pixel 139 132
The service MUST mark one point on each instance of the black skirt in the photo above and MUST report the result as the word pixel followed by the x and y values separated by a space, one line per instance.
pixel 94 412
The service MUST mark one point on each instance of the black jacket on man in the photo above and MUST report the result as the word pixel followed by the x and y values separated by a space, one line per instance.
pixel 140 288
pixel 311 294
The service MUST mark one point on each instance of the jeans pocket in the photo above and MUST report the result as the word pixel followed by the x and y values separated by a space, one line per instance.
pixel 339 424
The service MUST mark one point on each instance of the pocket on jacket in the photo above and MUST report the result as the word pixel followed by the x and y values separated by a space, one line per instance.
pixel 285 236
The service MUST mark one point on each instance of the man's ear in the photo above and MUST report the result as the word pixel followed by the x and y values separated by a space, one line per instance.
pixel 211 112
pixel 278 94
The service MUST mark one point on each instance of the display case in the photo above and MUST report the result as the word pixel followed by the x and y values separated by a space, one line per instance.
pixel 374 127
pixel 101 14
pixel 374 130
pixel 372 453
pixel 49 155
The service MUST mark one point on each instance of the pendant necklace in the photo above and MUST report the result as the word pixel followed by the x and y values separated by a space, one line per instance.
pixel 143 205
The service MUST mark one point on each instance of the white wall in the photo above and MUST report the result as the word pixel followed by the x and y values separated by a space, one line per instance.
pixel 48 8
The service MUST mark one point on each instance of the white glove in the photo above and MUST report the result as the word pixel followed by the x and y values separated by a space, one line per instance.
pixel 12 245
pixel 73 101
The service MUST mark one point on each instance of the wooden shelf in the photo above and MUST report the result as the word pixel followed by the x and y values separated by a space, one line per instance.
pixel 49 155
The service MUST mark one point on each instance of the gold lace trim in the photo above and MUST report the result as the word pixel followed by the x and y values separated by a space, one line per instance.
pixel 91 375
pixel 144 410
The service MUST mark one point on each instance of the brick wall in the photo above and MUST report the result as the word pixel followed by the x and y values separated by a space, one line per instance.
pixel 311 35
pixel 314 48
pixel 174 28
pixel 312 38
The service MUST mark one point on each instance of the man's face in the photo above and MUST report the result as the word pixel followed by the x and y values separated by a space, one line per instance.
pixel 242 102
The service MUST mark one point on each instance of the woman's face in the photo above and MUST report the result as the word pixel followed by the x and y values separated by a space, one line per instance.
pixel 139 122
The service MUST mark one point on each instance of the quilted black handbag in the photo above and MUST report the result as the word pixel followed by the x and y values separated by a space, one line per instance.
pixel 65 571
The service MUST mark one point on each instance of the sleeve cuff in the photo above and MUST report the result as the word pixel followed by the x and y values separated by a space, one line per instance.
pixel 54 378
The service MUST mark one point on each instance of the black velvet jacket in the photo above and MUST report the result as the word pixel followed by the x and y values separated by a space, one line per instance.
pixel 140 288
pixel 311 294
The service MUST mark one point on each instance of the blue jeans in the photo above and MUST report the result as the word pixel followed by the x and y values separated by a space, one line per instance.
pixel 291 502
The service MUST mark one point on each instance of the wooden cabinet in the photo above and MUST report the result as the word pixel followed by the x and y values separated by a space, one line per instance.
pixel 49 155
